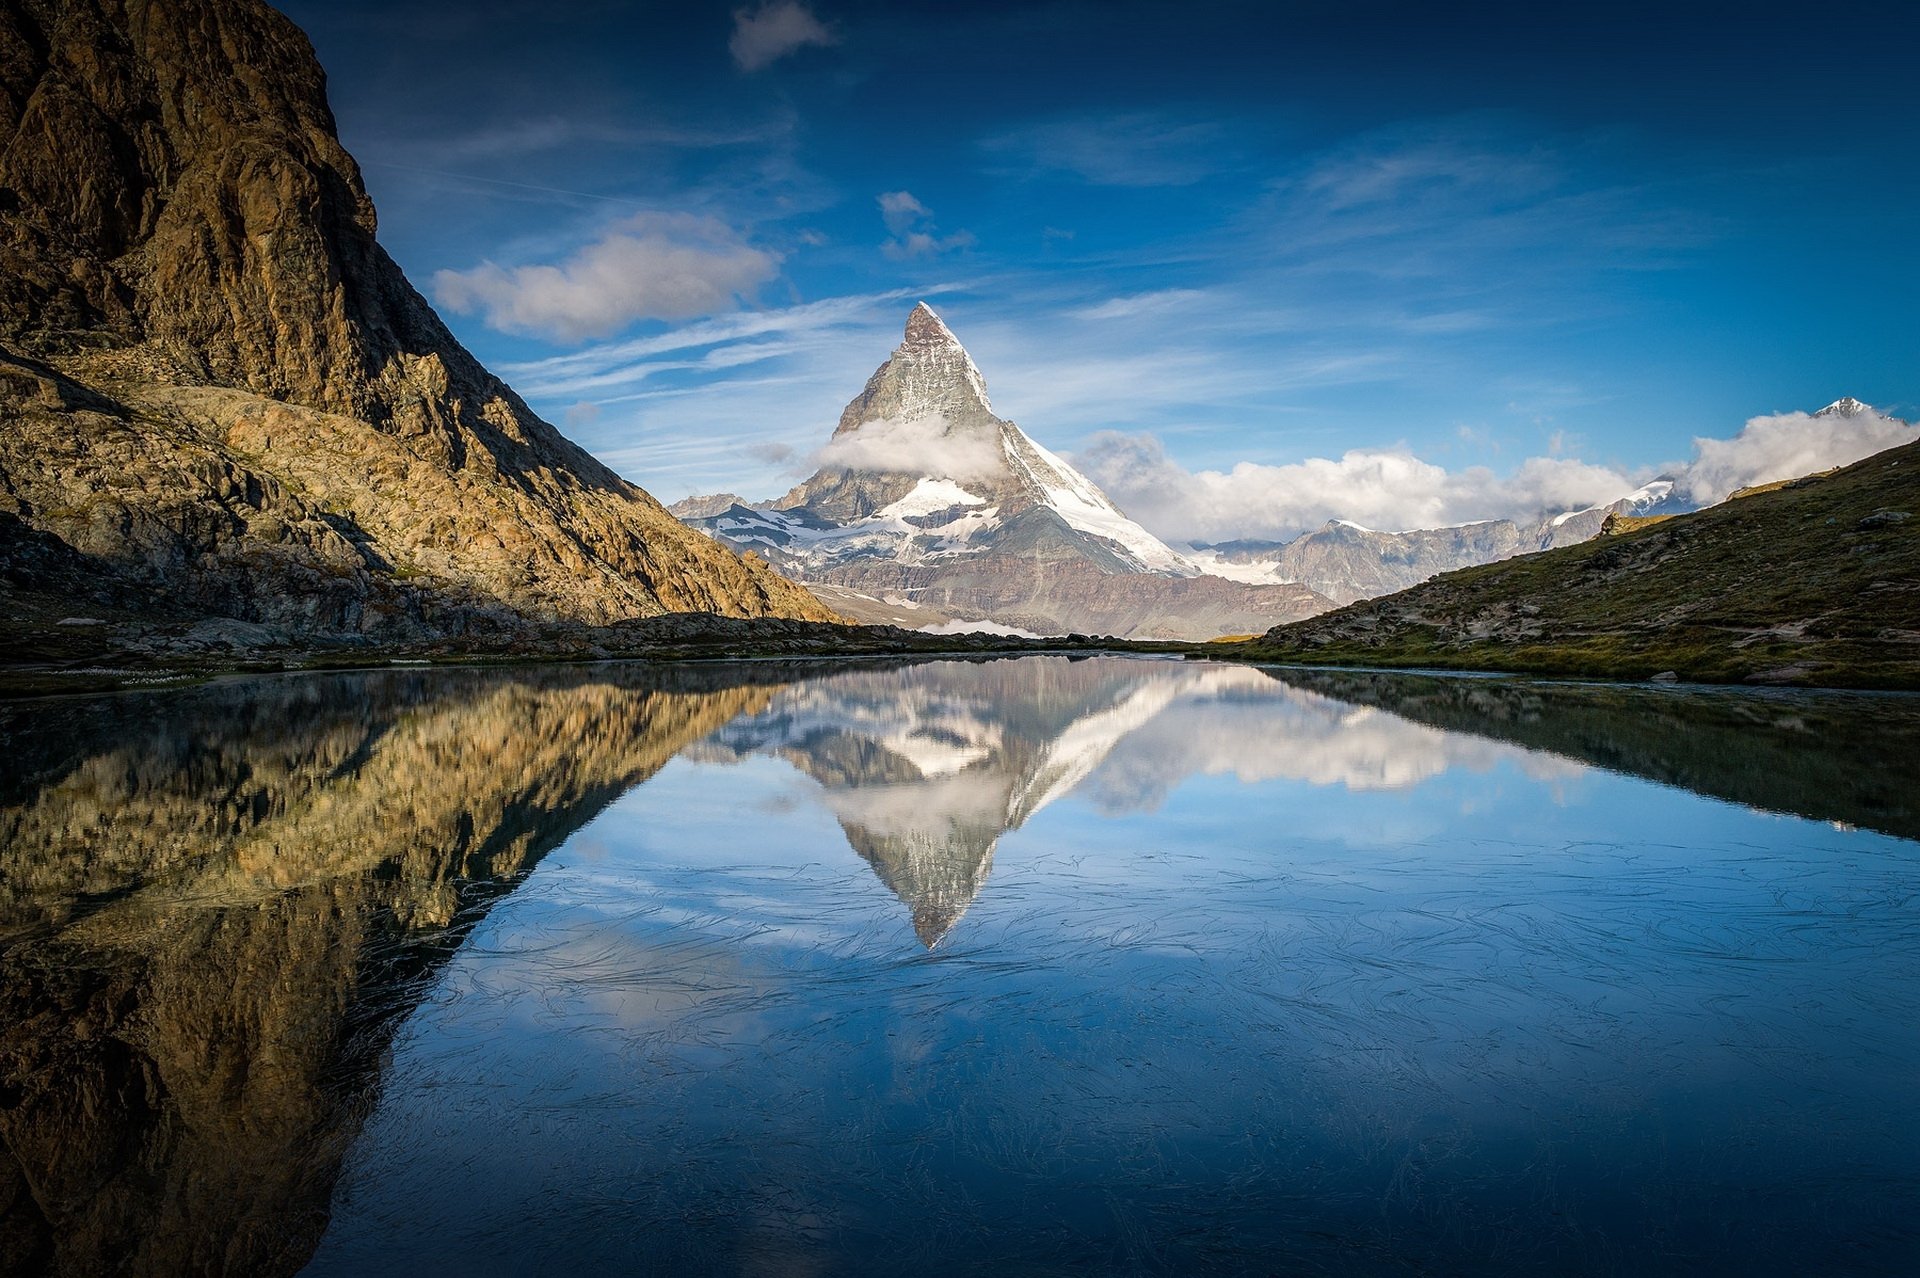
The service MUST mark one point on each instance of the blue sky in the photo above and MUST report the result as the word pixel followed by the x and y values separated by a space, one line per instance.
pixel 1177 236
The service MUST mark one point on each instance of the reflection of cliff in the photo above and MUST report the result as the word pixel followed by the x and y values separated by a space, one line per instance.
pixel 1819 755
pixel 927 767
pixel 220 902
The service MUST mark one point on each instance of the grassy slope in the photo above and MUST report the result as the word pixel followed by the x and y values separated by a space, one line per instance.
pixel 1813 583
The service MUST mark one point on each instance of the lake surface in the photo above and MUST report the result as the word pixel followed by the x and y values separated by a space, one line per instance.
pixel 1035 966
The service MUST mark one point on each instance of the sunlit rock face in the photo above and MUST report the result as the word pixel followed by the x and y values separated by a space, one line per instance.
pixel 213 906
pixel 225 399
pixel 927 499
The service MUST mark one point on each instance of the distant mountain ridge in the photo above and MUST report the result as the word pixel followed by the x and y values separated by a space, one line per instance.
pixel 925 498
pixel 1347 562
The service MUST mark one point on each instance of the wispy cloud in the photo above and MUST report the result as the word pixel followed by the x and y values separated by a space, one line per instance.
pixel 911 228
pixel 740 402
pixel 809 326
pixel 649 266
pixel 1447 200
pixel 763 36
pixel 1139 150
pixel 922 446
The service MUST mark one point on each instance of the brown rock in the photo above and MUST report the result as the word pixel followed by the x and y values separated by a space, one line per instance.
pixel 216 383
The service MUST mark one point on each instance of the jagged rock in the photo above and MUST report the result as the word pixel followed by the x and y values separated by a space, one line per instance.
pixel 218 386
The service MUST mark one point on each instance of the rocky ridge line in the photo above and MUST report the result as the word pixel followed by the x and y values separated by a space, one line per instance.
pixel 221 393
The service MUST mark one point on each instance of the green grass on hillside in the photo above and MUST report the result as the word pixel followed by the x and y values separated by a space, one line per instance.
pixel 1811 583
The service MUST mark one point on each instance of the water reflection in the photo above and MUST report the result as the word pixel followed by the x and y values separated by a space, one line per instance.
pixel 217 903
pixel 1291 927
pixel 1832 756
pixel 926 768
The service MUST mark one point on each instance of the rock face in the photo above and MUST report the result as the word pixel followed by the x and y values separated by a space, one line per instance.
pixel 217 385
pixel 927 499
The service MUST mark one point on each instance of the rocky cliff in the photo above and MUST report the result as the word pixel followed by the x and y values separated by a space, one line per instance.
pixel 222 397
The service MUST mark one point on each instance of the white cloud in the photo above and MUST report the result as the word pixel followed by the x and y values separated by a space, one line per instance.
pixel 651 266
pixel 1786 446
pixel 900 210
pixel 1389 489
pixel 1393 490
pixel 921 446
pixel 910 223
pixel 765 35
pixel 1158 303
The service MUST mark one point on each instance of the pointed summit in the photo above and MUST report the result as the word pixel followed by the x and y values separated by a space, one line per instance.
pixel 929 375
pixel 1845 406
pixel 925 328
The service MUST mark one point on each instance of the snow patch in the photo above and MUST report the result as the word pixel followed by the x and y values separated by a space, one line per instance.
pixel 927 497
pixel 978 628
pixel 1086 509
pixel 1214 564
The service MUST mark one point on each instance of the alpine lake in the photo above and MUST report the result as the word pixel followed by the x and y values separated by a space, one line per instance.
pixel 1042 965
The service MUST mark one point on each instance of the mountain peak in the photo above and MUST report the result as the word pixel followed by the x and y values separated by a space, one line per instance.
pixel 1845 406
pixel 925 325
pixel 928 376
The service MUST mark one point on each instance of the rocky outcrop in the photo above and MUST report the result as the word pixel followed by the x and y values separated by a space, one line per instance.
pixel 217 385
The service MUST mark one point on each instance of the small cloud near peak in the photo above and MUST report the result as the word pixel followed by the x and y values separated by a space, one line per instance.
pixel 763 36
pixel 910 224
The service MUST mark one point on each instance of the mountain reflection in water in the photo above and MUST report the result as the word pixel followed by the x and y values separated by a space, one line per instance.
pixel 217 906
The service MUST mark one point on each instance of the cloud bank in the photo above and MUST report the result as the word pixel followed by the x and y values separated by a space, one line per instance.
pixel 1786 446
pixel 1394 490
pixel 921 446
pixel 651 266
pixel 763 36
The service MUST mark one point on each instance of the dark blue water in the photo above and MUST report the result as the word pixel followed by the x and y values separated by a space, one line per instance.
pixel 1041 967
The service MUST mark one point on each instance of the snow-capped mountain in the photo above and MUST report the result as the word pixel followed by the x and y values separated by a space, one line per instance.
pixel 1845 406
pixel 928 771
pixel 931 506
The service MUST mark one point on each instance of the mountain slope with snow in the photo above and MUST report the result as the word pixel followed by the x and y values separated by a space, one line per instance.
pixel 926 498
